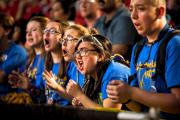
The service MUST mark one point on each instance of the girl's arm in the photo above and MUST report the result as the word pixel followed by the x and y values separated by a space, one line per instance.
pixel 51 82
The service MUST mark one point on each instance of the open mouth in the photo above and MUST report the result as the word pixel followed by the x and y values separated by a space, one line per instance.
pixel 30 40
pixel 80 65
pixel 46 43
pixel 137 25
pixel 64 52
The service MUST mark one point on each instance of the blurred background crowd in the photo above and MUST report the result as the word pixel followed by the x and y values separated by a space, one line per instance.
pixel 69 52
pixel 23 10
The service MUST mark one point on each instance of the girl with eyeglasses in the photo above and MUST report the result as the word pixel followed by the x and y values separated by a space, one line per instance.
pixel 54 63
pixel 92 54
pixel 27 80
pixel 71 35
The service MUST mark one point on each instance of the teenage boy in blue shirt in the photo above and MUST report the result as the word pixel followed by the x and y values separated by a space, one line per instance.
pixel 162 91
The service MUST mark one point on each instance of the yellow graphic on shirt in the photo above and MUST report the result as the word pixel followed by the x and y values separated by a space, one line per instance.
pixel 32 73
pixel 61 81
pixel 149 70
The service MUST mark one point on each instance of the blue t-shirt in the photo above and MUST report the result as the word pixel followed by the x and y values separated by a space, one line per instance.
pixel 14 58
pixel 34 72
pixel 39 82
pixel 33 68
pixel 115 71
pixel 74 74
pixel 51 94
pixel 55 96
pixel 146 64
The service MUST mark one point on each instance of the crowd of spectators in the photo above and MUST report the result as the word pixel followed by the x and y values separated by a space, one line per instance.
pixel 71 52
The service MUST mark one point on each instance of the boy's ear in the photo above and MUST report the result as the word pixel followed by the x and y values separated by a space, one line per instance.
pixel 160 12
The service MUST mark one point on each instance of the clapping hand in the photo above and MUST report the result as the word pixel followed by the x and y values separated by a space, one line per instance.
pixel 18 80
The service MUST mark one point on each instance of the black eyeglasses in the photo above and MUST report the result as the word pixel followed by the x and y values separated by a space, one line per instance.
pixel 68 38
pixel 51 31
pixel 82 52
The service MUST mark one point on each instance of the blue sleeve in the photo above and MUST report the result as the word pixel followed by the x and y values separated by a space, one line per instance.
pixel 74 74
pixel 172 72
pixel 118 72
pixel 70 69
pixel 16 59
pixel 71 72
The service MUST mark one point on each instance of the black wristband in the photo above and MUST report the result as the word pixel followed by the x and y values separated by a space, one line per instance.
pixel 128 101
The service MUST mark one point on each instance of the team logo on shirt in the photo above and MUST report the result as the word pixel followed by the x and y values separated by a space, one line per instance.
pixel 145 71
pixel 32 73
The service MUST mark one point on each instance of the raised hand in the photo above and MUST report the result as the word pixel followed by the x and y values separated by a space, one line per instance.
pixel 51 80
